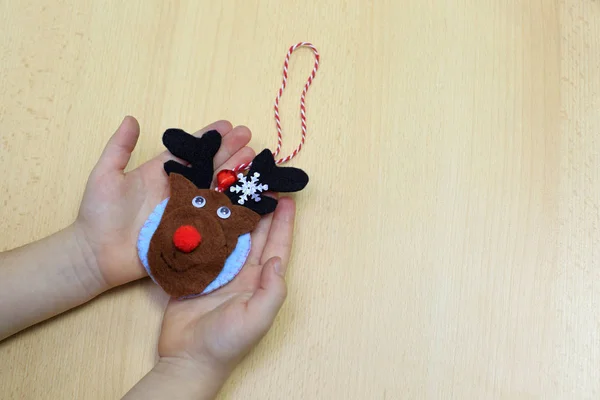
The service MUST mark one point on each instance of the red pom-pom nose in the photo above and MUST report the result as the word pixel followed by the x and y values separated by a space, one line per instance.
pixel 186 238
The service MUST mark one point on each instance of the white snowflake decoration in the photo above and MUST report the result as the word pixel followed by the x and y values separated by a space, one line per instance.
pixel 249 188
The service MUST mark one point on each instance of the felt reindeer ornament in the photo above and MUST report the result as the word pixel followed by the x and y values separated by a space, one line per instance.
pixel 198 239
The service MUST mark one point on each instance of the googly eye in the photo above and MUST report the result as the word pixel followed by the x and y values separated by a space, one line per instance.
pixel 198 201
pixel 223 212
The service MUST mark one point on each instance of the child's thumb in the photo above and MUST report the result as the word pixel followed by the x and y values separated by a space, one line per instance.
pixel 271 293
pixel 118 150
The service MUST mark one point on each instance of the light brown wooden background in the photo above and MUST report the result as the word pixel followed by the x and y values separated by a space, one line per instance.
pixel 448 244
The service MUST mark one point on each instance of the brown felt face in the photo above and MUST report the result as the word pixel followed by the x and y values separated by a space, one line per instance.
pixel 218 223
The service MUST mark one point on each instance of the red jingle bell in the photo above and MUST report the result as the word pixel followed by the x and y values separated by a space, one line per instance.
pixel 225 178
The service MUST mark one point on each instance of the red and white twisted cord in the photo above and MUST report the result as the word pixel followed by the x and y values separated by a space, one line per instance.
pixel 246 166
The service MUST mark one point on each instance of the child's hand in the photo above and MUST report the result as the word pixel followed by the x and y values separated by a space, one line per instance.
pixel 212 333
pixel 116 204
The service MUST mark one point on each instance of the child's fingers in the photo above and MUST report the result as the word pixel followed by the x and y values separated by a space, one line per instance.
pixel 260 235
pixel 240 156
pixel 232 142
pixel 118 150
pixel 279 241
pixel 259 238
pixel 270 295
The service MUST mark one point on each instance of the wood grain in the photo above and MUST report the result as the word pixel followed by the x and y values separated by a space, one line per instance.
pixel 448 244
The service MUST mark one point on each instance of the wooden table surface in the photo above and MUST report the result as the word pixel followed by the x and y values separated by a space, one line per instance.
pixel 448 243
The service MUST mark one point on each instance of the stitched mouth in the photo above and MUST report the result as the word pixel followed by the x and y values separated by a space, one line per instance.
pixel 162 257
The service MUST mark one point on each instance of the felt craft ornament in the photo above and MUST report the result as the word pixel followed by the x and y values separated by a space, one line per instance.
pixel 198 239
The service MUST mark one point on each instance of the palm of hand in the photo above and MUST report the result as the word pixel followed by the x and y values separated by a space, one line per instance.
pixel 224 325
pixel 128 200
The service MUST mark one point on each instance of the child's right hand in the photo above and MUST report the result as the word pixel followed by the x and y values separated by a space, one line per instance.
pixel 203 339
pixel 116 204
pixel 222 326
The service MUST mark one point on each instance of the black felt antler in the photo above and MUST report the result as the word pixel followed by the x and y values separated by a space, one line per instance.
pixel 198 152
pixel 248 191
pixel 277 179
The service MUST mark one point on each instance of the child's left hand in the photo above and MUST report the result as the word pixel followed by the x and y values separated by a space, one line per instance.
pixel 116 203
